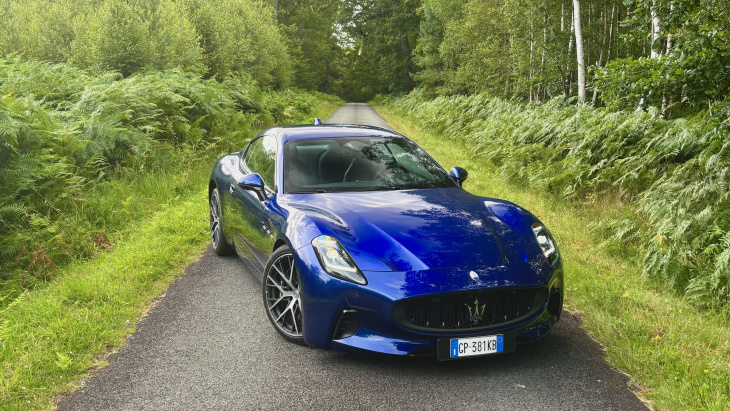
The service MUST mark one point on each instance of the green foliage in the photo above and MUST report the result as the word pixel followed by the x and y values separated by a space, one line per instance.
pixel 176 43
pixel 383 35
pixel 692 71
pixel 690 208
pixel 239 36
pixel 677 171
pixel 512 48
pixel 216 38
pixel 52 336
pixel 427 55
pixel 37 29
pixel 113 37
pixel 65 133
pixel 526 49
pixel 310 28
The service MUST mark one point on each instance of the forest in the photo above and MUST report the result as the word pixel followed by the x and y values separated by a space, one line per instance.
pixel 581 98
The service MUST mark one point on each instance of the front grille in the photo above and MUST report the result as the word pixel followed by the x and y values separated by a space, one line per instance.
pixel 469 311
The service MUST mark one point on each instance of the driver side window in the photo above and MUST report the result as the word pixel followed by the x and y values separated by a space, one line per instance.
pixel 261 159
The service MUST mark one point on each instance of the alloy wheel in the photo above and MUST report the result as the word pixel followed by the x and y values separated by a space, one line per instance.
pixel 282 297
pixel 215 219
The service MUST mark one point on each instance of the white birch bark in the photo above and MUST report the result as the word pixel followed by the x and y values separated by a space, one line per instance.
pixel 655 31
pixel 666 101
pixel 654 52
pixel 579 52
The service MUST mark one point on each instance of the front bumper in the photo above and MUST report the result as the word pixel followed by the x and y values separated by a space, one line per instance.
pixel 326 299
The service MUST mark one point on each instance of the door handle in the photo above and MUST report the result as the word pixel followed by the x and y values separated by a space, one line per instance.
pixel 230 188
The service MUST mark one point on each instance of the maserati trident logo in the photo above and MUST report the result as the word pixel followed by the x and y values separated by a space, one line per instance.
pixel 477 312
pixel 474 276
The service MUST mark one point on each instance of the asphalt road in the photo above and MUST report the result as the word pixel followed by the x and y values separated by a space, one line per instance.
pixel 357 113
pixel 208 345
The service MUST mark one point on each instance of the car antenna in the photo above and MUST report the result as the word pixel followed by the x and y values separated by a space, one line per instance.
pixel 317 121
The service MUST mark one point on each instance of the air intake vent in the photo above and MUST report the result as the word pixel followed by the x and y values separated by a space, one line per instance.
pixel 470 311
pixel 347 325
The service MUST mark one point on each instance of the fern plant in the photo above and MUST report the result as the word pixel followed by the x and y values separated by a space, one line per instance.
pixel 67 137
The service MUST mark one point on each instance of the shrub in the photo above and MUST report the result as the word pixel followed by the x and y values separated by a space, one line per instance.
pixel 240 36
pixel 217 38
pixel 64 133
pixel 114 37
pixel 175 42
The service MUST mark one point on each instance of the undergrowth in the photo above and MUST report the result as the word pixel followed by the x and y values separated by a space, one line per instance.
pixel 676 172
pixel 70 143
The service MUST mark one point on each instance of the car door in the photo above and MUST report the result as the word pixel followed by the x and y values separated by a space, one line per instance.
pixel 254 235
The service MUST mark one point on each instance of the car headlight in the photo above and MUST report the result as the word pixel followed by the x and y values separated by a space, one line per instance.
pixel 336 261
pixel 546 242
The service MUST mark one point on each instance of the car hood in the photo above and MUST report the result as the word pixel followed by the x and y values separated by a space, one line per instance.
pixel 409 230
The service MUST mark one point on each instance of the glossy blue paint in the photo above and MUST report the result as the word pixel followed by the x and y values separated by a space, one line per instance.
pixel 407 243
pixel 251 182
pixel 459 175
pixel 414 229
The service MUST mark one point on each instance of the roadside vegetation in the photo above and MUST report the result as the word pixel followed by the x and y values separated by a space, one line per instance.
pixel 677 355
pixel 111 116
pixel 85 155
pixel 104 202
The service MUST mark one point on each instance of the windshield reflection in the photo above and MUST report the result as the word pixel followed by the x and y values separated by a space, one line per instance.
pixel 359 164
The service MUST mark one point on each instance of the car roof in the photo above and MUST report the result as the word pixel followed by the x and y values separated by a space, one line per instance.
pixel 289 133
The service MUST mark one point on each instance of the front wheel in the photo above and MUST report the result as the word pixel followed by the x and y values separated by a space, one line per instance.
pixel 281 291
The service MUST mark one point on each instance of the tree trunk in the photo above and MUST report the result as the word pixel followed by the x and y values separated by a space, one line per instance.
pixel 610 33
pixel 603 46
pixel 541 87
pixel 667 101
pixel 655 30
pixel 568 84
pixel 653 47
pixel 532 53
pixel 579 53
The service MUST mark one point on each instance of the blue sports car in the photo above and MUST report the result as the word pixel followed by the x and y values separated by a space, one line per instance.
pixel 363 242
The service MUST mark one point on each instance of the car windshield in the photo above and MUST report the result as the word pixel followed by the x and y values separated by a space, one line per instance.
pixel 359 164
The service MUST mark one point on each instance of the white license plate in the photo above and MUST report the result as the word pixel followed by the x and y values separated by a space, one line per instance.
pixel 465 347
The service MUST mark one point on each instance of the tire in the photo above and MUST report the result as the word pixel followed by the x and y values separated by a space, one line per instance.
pixel 281 292
pixel 220 246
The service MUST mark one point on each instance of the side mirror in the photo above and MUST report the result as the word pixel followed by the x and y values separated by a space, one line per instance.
pixel 255 183
pixel 459 175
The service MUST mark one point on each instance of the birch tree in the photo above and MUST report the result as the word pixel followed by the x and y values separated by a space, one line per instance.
pixel 579 52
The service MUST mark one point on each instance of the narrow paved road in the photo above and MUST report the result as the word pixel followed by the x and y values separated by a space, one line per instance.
pixel 208 345
pixel 357 113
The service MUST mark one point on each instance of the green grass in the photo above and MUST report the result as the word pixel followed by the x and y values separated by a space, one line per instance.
pixel 51 337
pixel 54 333
pixel 677 355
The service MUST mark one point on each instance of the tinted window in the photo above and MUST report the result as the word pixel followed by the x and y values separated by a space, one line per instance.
pixel 359 164
pixel 261 158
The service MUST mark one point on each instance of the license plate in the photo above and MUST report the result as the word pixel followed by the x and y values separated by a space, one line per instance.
pixel 466 347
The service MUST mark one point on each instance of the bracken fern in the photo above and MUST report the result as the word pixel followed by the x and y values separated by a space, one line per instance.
pixel 65 133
